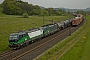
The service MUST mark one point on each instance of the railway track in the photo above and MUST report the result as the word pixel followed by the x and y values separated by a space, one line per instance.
pixel 18 54
pixel 6 53
pixel 60 50
pixel 38 47
pixel 65 48
pixel 57 55
pixel 71 44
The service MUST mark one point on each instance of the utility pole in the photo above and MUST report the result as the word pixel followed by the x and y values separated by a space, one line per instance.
pixel 43 17
pixel 35 24
pixel 85 16
pixel 70 26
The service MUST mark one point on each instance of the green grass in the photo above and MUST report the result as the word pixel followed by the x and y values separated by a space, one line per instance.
pixel 11 23
pixel 86 51
pixel 80 51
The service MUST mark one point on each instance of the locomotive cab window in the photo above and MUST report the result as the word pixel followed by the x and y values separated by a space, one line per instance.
pixel 13 38
pixel 20 36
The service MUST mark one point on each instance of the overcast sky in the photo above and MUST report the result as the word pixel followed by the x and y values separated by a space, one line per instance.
pixel 77 4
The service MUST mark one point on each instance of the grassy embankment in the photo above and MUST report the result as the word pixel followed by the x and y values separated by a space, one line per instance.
pixel 10 24
pixel 80 51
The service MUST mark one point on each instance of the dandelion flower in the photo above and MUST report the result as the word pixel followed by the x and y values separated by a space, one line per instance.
pixel 84 37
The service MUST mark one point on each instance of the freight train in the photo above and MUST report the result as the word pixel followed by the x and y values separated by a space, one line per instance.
pixel 23 38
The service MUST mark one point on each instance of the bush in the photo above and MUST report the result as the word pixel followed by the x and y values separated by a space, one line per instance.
pixel 25 15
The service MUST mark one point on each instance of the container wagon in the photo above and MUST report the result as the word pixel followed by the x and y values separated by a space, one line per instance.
pixel 77 20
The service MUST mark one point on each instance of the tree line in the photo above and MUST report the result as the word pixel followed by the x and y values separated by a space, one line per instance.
pixel 18 7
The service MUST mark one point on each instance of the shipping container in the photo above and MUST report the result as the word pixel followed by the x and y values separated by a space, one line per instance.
pixel 76 21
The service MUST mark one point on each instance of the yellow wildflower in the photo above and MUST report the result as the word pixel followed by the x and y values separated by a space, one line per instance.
pixel 84 37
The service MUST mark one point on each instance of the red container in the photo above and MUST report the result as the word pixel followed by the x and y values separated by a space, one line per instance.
pixel 77 20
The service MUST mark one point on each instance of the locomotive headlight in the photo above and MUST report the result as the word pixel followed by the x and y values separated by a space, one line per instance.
pixel 25 38
pixel 13 42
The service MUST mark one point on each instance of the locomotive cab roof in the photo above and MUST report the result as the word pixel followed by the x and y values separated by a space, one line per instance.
pixel 20 33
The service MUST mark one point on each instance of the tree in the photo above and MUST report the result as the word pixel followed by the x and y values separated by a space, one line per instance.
pixel 36 7
pixel 80 12
pixel 44 12
pixel 10 8
pixel 50 10
pixel 34 12
pixel 25 15
pixel 58 13
pixel 18 7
